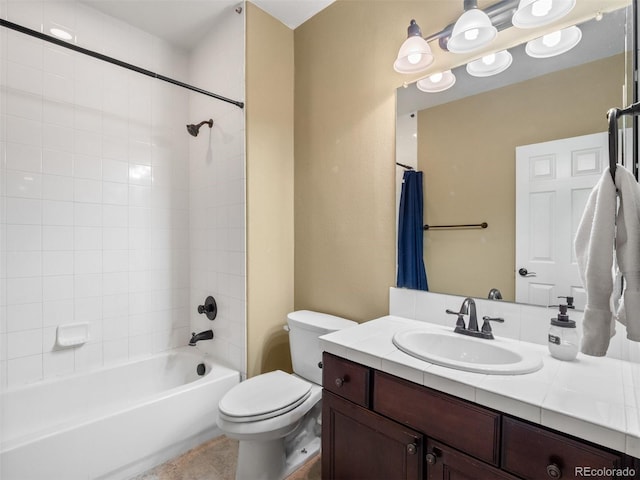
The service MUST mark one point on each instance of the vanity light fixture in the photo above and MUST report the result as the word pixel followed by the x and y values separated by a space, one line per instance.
pixel 491 64
pixel 472 31
pixel 415 54
pixel 536 13
pixel 438 82
pixel 555 43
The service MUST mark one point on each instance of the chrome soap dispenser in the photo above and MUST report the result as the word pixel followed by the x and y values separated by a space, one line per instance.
pixel 563 336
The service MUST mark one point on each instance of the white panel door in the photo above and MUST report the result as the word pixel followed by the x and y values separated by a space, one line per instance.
pixel 553 181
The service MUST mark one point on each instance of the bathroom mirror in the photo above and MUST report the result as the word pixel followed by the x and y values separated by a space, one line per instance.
pixel 464 140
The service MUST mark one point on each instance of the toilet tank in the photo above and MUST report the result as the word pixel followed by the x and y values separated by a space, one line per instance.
pixel 305 329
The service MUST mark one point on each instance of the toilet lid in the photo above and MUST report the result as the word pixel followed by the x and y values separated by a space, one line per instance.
pixel 265 396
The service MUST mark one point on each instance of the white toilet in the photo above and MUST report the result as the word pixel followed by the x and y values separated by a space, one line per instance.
pixel 276 416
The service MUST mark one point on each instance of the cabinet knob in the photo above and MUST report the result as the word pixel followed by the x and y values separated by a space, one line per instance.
pixel 431 458
pixel 412 448
pixel 340 382
pixel 554 471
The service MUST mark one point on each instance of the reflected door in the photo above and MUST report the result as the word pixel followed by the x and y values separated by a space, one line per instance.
pixel 553 182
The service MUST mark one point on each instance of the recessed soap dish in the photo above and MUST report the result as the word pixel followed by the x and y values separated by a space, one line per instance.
pixel 72 334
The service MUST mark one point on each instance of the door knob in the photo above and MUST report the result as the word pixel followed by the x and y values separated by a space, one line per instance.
pixel 523 272
pixel 412 448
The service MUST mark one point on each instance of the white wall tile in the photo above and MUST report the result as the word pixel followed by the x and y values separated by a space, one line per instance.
pixel 57 263
pixel 87 165
pixel 56 137
pixel 24 237
pixel 58 362
pixel 24 78
pixel 58 88
pixel 26 316
pixel 23 104
pixel 24 211
pixel 58 213
pixel 24 343
pixel 57 113
pixel 101 203
pixel 57 287
pixel 57 162
pixel 56 312
pixel 55 237
pixel 87 191
pixel 57 187
pixel 87 261
pixel 87 238
pixel 24 370
pixel 24 264
pixel 26 158
pixel 23 184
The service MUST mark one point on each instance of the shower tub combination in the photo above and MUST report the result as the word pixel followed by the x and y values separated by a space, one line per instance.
pixel 112 423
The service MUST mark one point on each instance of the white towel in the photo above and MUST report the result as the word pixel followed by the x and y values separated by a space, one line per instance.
pixel 594 251
pixel 628 250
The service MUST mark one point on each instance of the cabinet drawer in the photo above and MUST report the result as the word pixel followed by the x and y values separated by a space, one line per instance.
pixel 472 429
pixel 345 378
pixel 534 453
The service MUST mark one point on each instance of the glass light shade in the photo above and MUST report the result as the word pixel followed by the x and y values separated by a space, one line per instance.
pixel 536 13
pixel 414 56
pixel 555 43
pixel 438 82
pixel 490 64
pixel 472 31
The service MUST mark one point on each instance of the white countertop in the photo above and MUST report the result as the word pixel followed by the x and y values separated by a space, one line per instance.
pixel 594 398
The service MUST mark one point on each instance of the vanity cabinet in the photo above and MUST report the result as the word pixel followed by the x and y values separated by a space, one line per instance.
pixel 377 426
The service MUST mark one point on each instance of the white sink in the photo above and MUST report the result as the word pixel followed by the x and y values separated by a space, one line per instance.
pixel 457 351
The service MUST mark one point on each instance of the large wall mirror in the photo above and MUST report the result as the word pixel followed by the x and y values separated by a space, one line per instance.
pixel 466 139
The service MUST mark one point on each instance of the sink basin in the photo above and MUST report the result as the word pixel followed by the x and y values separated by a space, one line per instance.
pixel 457 351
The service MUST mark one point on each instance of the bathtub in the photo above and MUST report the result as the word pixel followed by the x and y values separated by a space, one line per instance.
pixel 112 423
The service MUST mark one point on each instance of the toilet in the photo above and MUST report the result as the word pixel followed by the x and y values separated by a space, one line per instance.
pixel 276 416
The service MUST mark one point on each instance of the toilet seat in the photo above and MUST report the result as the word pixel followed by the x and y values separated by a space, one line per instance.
pixel 266 396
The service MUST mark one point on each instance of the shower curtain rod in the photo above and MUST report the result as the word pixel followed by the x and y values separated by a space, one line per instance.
pixel 114 61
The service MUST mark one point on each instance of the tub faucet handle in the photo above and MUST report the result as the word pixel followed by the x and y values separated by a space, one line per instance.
pixel 210 308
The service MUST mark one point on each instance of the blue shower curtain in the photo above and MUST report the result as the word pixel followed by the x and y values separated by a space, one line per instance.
pixel 411 271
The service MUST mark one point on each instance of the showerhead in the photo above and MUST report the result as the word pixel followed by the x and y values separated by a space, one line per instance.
pixel 194 129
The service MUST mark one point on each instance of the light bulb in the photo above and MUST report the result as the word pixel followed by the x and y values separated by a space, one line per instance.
pixel 552 39
pixel 541 8
pixel 471 34
pixel 436 77
pixel 414 58
pixel 489 59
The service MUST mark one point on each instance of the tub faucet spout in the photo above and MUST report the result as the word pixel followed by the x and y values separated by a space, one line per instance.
pixel 196 337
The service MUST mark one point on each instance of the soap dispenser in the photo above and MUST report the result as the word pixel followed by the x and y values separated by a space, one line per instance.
pixel 563 336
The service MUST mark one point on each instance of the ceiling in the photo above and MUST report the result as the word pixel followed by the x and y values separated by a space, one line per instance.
pixel 184 22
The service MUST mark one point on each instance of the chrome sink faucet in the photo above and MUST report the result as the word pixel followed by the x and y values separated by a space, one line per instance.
pixel 468 307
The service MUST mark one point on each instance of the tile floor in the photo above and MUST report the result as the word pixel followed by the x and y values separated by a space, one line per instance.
pixel 216 460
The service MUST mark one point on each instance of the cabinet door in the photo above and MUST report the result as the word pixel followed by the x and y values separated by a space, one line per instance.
pixel 446 463
pixel 359 444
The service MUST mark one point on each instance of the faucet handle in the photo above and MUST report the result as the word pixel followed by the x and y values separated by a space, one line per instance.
pixel 486 326
pixel 460 321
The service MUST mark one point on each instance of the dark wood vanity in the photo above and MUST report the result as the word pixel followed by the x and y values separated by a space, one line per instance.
pixel 377 426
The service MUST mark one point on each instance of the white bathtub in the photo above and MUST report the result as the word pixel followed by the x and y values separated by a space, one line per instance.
pixel 112 423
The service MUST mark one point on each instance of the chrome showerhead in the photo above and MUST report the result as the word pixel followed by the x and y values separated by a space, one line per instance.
pixel 194 129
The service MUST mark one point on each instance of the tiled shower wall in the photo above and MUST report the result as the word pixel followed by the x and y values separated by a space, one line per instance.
pixel 95 191
pixel 217 190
